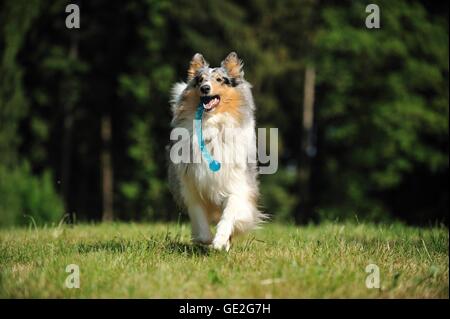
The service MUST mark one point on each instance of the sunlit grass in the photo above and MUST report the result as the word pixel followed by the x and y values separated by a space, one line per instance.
pixel 278 261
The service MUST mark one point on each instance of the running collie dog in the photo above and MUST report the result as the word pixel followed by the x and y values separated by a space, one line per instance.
pixel 227 196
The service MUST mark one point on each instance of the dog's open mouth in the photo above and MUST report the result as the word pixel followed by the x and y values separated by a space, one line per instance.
pixel 210 102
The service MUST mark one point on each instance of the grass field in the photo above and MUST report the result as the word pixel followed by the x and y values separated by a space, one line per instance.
pixel 278 261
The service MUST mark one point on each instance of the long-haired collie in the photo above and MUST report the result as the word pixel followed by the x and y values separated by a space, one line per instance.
pixel 228 195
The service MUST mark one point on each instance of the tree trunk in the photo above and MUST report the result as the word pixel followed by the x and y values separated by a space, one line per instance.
pixel 308 112
pixel 308 150
pixel 68 106
pixel 107 172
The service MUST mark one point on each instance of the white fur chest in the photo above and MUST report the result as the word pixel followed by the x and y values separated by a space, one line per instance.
pixel 228 144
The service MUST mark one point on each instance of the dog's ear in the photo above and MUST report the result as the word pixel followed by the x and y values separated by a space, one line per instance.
pixel 197 62
pixel 233 65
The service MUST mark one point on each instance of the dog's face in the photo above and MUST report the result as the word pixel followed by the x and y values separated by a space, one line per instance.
pixel 216 88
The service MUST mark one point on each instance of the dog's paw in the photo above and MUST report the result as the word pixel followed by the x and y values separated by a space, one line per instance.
pixel 221 243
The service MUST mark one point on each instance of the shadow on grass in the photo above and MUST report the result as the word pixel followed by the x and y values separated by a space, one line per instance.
pixel 187 249
pixel 153 245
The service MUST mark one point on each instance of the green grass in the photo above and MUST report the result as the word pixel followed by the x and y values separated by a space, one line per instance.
pixel 278 261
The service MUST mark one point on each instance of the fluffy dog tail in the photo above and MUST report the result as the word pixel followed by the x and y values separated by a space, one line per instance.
pixel 175 95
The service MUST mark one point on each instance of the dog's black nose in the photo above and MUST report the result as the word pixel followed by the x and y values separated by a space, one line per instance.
pixel 205 89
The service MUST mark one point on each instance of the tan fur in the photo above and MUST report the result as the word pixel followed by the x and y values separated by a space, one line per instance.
pixel 233 65
pixel 230 101
pixel 188 106
pixel 196 63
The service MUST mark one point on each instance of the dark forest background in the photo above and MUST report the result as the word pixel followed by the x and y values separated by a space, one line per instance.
pixel 362 113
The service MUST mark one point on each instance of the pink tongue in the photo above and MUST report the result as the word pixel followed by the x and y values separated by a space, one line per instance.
pixel 210 104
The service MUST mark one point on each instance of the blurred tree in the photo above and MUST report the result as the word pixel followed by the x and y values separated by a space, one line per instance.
pixel 143 91
pixel 16 21
pixel 383 111
pixel 379 125
pixel 53 79
pixel 22 196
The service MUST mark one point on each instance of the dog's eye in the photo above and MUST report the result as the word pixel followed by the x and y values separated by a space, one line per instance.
pixel 226 81
pixel 219 80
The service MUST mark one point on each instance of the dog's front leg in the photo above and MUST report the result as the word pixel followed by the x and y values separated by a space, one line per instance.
pixel 200 227
pixel 236 217
pixel 222 239
pixel 201 232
